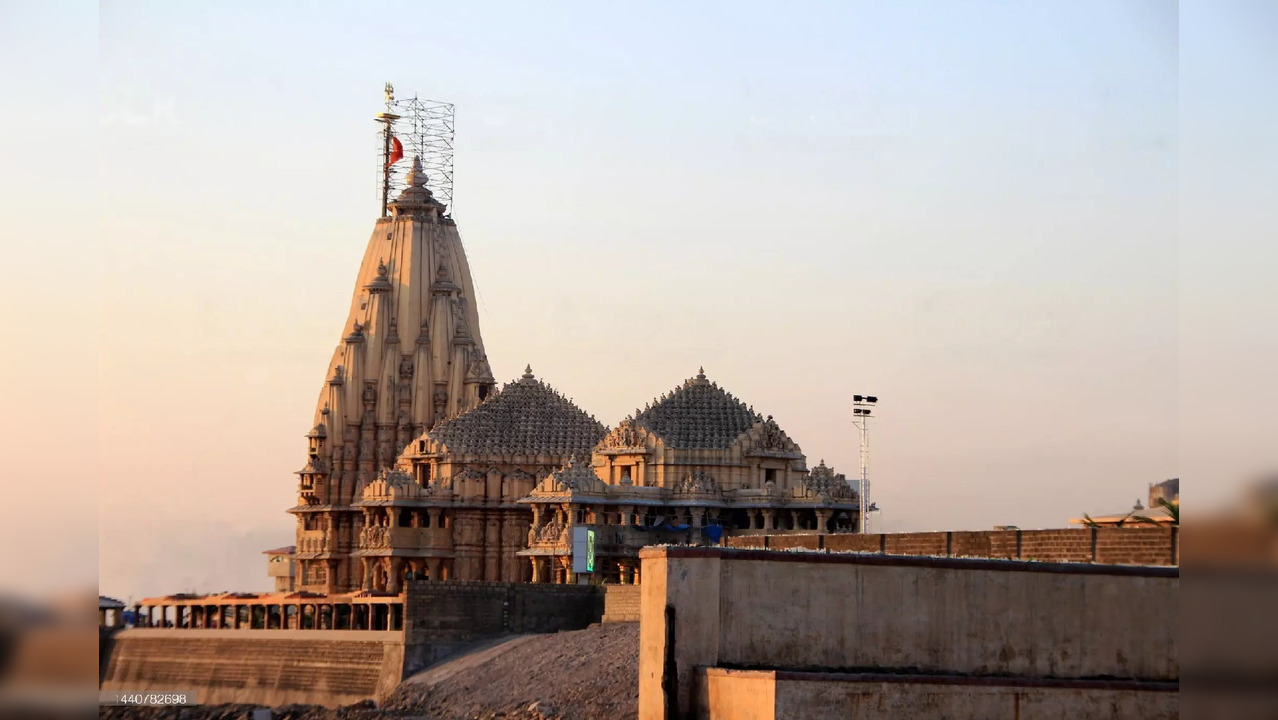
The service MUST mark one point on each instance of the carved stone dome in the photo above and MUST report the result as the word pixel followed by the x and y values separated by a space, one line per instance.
pixel 697 415
pixel 526 417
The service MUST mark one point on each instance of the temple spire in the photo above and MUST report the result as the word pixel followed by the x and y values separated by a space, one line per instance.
pixel 417 199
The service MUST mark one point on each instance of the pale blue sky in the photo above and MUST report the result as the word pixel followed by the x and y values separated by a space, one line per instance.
pixel 969 208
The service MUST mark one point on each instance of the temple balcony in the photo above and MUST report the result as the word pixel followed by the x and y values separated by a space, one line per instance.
pixel 406 538
pixel 310 541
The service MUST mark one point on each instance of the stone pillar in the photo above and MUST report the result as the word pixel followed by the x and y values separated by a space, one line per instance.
pixel 433 515
pixel 823 520
pixel 396 569
pixel 768 515
pixel 368 573
pixel 330 577
pixel 796 518
pixel 492 546
pixel 433 566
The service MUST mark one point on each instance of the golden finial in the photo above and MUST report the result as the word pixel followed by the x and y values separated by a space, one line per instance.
pixel 390 95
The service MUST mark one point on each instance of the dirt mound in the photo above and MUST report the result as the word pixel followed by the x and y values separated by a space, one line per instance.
pixel 576 675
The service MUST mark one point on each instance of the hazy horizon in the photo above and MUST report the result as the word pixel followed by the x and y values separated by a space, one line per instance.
pixel 969 209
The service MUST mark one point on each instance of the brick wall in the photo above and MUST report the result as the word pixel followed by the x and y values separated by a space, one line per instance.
pixel 441 618
pixel 621 603
pixel 1147 546
pixel 1110 546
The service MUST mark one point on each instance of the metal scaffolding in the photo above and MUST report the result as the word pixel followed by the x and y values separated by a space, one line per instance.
pixel 425 127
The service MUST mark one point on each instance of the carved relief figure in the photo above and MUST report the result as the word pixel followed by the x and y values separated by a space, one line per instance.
pixel 459 317
pixel 479 369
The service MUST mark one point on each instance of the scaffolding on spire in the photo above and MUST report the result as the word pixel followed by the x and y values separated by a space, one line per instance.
pixel 425 128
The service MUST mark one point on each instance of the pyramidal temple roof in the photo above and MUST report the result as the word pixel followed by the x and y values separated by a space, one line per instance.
pixel 698 415
pixel 526 417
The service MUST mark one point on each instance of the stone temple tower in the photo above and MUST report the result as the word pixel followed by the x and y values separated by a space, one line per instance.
pixel 411 355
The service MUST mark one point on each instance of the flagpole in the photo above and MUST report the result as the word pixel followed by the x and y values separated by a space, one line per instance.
pixel 386 118
pixel 386 135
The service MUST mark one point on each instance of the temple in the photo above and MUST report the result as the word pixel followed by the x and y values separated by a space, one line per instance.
pixel 419 466
pixel 411 355
pixel 693 467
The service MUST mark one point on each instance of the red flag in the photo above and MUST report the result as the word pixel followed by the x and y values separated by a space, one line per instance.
pixel 396 153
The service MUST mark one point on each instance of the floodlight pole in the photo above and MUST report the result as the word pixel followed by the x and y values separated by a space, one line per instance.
pixel 862 411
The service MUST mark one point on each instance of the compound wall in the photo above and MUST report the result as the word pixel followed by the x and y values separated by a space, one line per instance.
pixel 852 613
pixel 1110 546
pixel 442 618
pixel 339 667
pixel 621 603
pixel 773 695
pixel 266 667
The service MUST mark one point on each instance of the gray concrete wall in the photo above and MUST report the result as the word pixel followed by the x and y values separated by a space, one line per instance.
pixel 268 667
pixel 772 695
pixel 443 618
pixel 853 613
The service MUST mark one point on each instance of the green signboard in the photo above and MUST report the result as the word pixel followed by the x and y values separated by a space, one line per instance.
pixel 590 551
pixel 583 550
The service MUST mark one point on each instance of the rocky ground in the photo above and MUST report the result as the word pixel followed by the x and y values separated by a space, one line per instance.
pixel 578 675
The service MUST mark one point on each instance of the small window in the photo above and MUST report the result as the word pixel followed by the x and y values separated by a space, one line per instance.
pixel 770 475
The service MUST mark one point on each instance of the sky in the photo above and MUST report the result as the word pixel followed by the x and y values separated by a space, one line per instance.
pixel 975 210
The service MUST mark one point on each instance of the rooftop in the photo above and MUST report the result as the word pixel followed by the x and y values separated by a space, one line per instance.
pixel 697 415
pixel 526 417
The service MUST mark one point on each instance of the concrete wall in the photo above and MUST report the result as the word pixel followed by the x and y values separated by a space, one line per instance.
pixel 1112 546
pixel 442 618
pixel 779 695
pixel 717 607
pixel 268 667
pixel 621 603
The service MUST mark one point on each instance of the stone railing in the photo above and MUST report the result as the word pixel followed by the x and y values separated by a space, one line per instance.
pixel 309 541
pixel 378 537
